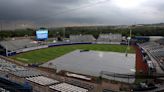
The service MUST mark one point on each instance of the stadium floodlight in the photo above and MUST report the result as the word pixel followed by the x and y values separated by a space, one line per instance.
pixel 129 38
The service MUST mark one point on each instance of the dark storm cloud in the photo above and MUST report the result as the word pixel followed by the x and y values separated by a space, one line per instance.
pixel 31 9
pixel 60 12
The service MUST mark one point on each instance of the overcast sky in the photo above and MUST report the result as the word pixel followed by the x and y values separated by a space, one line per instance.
pixel 81 12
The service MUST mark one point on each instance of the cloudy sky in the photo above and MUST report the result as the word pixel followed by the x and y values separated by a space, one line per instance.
pixel 81 12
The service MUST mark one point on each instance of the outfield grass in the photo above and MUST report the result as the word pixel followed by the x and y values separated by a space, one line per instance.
pixel 44 55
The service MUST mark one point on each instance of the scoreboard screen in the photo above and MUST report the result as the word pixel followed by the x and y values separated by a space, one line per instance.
pixel 42 34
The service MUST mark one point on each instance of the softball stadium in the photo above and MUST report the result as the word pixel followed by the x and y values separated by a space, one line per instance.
pixel 81 63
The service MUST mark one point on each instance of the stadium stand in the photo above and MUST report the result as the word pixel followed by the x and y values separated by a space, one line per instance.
pixel 36 79
pixel 42 80
pixel 10 86
pixel 79 84
pixel 81 38
pixel 9 67
pixel 13 45
pixel 16 70
pixel 110 38
pixel 21 45
pixel 26 73
pixel 65 87
pixel 22 74
pixel 154 50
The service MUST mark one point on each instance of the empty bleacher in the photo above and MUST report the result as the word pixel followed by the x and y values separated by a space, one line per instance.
pixel 37 79
pixel 9 67
pixel 42 80
pixel 22 45
pixel 109 38
pixel 81 38
pixel 79 84
pixel 16 70
pixel 65 87
pixel 155 50
pixel 13 45
pixel 26 73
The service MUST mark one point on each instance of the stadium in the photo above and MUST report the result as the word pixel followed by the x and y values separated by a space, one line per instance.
pixel 51 65
pixel 82 46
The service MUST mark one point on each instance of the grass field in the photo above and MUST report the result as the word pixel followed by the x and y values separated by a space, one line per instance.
pixel 44 55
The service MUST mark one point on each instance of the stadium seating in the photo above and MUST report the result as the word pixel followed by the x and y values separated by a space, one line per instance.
pixel 12 45
pixel 26 73
pixel 16 70
pixel 21 45
pixel 42 80
pixel 109 38
pixel 156 51
pixel 9 67
pixel 81 38
pixel 65 87
pixel 79 84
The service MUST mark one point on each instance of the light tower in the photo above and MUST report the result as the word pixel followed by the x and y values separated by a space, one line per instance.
pixel 129 38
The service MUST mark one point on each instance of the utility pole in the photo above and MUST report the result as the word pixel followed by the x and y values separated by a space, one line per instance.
pixel 129 38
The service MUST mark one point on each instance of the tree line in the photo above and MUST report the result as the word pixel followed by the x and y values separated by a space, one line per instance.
pixel 95 31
